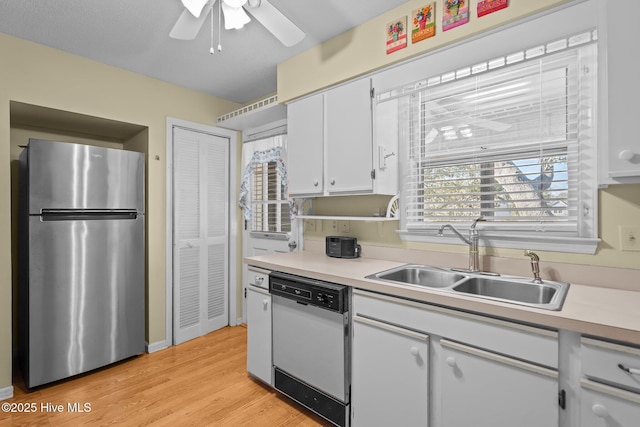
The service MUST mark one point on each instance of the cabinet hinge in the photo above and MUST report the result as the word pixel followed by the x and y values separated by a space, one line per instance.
pixel 562 399
pixel 373 174
pixel 245 292
pixel 372 92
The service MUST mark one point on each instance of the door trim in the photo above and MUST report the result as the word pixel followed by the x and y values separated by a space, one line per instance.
pixel 233 218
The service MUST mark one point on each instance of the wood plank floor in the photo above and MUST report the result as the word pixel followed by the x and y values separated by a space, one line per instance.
pixel 202 382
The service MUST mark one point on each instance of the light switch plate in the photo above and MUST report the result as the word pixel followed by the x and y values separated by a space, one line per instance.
pixel 629 238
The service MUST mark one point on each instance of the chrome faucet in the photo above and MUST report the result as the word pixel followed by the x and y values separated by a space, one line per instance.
pixel 535 265
pixel 472 241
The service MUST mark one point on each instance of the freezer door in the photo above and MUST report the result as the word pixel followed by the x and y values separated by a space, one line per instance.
pixel 86 295
pixel 74 176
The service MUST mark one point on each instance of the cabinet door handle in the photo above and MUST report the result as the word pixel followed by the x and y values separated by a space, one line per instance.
pixel 333 182
pixel 451 361
pixel 259 280
pixel 265 303
pixel 315 183
pixel 414 351
pixel 600 410
pixel 626 155
pixel 632 371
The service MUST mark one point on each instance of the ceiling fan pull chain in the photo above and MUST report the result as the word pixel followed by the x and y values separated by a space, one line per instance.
pixel 211 51
pixel 219 25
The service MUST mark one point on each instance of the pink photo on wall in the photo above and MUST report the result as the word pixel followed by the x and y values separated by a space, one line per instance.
pixel 456 13
pixel 396 34
pixel 486 7
pixel 424 22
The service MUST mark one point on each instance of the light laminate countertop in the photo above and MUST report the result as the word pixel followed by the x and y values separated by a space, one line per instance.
pixel 608 313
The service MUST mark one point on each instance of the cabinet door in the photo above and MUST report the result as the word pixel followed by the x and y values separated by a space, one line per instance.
pixel 484 389
pixel 305 150
pixel 349 139
pixel 390 375
pixel 604 406
pixel 259 362
pixel 623 89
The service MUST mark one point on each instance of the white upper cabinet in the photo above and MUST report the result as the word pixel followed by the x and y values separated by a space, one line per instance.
pixel 331 146
pixel 349 138
pixel 620 159
pixel 305 146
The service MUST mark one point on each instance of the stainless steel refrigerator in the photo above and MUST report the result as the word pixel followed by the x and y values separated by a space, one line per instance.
pixel 81 259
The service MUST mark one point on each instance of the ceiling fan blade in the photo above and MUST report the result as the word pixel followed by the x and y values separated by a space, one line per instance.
pixel 188 26
pixel 277 24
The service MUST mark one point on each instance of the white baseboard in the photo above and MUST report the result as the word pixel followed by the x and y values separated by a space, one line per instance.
pixel 156 346
pixel 6 392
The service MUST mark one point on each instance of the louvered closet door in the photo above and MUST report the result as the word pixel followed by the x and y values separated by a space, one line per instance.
pixel 201 218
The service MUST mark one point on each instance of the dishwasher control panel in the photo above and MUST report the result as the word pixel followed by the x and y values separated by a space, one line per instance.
pixel 331 296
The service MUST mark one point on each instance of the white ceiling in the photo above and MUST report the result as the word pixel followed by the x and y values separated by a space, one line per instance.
pixel 134 35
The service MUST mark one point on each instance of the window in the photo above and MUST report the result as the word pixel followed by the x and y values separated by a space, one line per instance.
pixel 511 140
pixel 270 210
pixel 263 190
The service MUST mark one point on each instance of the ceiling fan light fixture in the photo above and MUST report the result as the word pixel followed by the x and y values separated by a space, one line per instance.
pixel 194 6
pixel 234 17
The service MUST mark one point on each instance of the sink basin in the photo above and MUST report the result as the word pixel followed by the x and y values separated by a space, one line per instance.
pixel 420 275
pixel 548 295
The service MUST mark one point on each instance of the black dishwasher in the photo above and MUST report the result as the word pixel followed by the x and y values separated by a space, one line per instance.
pixel 311 344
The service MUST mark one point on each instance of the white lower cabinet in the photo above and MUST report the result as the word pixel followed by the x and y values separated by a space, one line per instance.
pixel 610 384
pixel 390 375
pixel 259 354
pixel 476 371
pixel 485 389
pixel 604 406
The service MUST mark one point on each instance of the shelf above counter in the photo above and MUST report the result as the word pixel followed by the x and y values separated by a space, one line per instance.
pixel 348 218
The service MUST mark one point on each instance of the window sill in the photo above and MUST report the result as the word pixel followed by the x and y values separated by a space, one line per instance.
pixel 541 242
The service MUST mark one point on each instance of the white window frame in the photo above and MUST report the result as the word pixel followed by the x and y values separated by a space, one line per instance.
pixel 507 235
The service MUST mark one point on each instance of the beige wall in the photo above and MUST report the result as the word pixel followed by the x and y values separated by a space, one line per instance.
pixel 34 74
pixel 362 50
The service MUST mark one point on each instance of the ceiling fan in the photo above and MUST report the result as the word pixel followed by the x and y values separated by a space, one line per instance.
pixel 196 11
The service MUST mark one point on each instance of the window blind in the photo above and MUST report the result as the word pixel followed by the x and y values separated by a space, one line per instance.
pixel 506 139
pixel 270 209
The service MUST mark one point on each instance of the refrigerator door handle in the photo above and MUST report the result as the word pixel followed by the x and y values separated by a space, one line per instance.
pixel 87 214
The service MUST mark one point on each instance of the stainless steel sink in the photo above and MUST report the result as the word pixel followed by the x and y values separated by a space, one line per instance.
pixel 548 295
pixel 420 275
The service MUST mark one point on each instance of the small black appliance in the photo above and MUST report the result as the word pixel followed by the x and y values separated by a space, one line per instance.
pixel 342 247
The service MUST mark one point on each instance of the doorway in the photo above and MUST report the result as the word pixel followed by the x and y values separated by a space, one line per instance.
pixel 268 225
